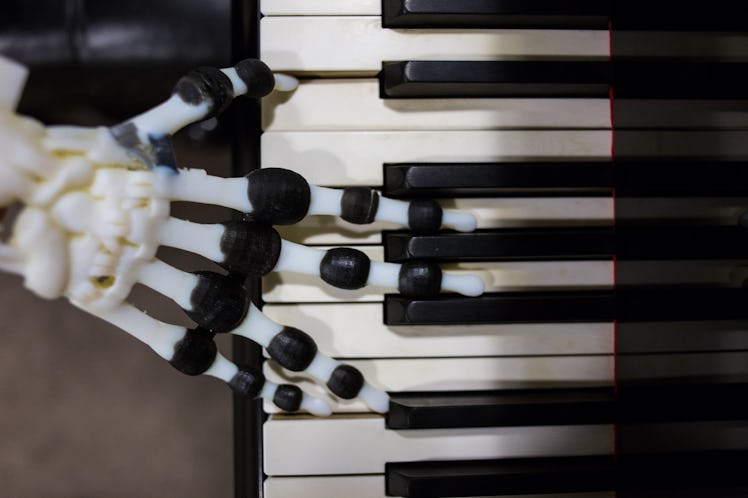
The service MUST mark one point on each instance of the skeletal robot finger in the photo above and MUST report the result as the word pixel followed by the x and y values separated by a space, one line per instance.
pixel 282 197
pixel 220 304
pixel 194 352
pixel 247 247
pixel 202 93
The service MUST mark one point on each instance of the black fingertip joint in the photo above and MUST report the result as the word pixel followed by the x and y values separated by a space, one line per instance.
pixel 424 216
pixel 206 84
pixel 419 279
pixel 345 382
pixel 278 196
pixel 359 205
pixel 219 302
pixel 288 397
pixel 195 352
pixel 257 76
pixel 247 383
pixel 345 268
pixel 249 248
pixel 292 349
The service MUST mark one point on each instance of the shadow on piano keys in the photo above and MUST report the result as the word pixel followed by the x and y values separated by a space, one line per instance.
pixel 608 355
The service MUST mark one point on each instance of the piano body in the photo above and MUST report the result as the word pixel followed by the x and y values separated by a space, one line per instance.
pixel 600 148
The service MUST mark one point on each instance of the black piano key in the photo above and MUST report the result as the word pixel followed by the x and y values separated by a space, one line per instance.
pixel 584 243
pixel 689 401
pixel 684 242
pixel 667 79
pixel 497 179
pixel 503 245
pixel 658 78
pixel 628 304
pixel 587 14
pixel 499 477
pixel 630 403
pixel 444 410
pixel 673 473
pixel 503 307
pixel 681 178
pixel 674 15
pixel 435 79
pixel 645 304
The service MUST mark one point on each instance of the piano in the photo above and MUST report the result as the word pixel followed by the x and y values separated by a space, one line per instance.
pixel 601 146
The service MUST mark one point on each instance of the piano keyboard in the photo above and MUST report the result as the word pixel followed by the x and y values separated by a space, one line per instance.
pixel 523 377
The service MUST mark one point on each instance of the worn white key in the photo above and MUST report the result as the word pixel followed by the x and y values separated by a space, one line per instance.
pixel 359 486
pixel 364 486
pixel 320 8
pixel 497 276
pixel 356 158
pixel 360 44
pixel 355 105
pixel 356 330
pixel 461 374
pixel 322 446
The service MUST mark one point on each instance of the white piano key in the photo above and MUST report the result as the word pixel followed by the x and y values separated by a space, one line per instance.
pixel 460 374
pixel 366 486
pixel 360 44
pixel 320 8
pixel 356 158
pixel 355 105
pixel 491 213
pixel 358 486
pixel 497 276
pixel 307 446
pixel 479 373
pixel 356 330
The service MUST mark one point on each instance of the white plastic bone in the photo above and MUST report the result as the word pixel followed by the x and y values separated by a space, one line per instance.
pixel 14 78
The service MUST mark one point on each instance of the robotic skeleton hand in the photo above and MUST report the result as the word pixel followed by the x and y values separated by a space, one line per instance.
pixel 96 208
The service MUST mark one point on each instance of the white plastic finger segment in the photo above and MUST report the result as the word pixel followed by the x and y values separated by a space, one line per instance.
pixel 467 285
pixel 258 327
pixel 198 238
pixel 346 382
pixel 285 82
pixel 168 117
pixel 324 201
pixel 377 400
pixel 222 369
pixel 459 220
pixel 392 211
pixel 299 259
pixel 384 274
pixel 159 336
pixel 13 76
pixel 169 281
pixel 315 406
pixel 195 185
pixel 240 88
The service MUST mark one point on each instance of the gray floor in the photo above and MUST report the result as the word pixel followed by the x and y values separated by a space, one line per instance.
pixel 87 411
